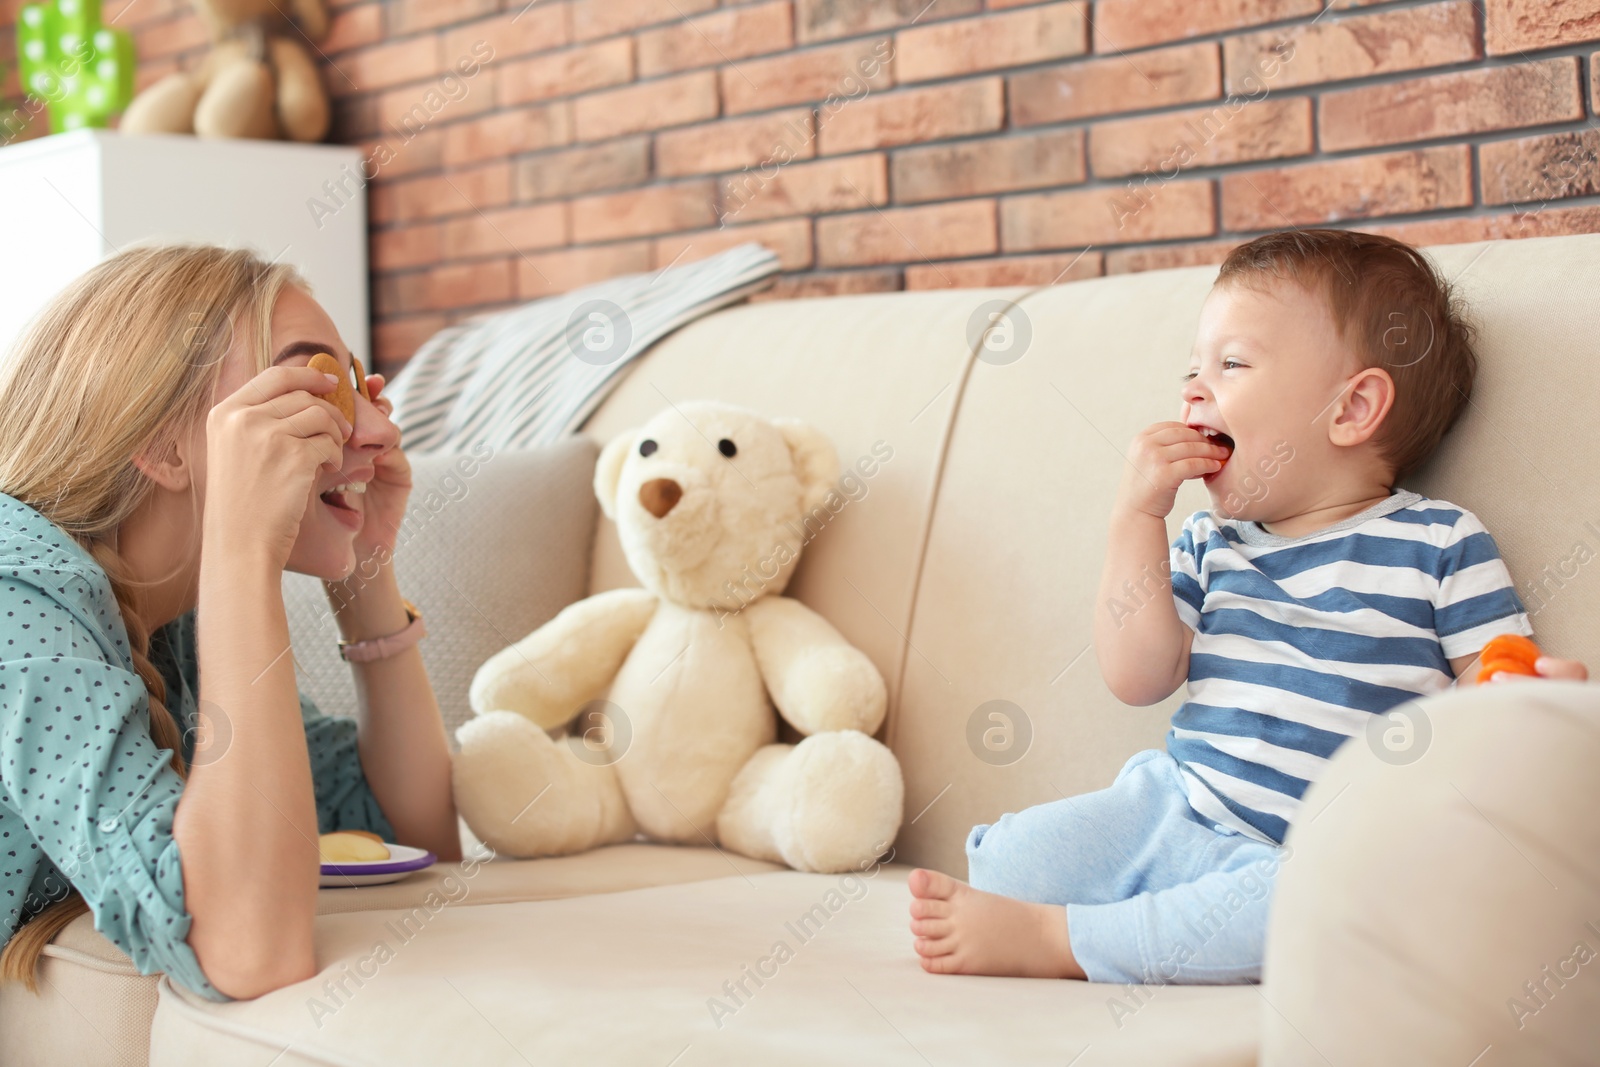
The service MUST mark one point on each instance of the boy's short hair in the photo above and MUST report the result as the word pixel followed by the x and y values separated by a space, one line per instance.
pixel 1397 311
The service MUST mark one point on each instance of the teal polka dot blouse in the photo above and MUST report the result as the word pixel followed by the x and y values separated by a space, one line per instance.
pixel 86 797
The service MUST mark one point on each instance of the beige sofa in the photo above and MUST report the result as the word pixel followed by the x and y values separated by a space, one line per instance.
pixel 1420 896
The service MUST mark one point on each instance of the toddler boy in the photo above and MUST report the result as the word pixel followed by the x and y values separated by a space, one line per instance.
pixel 1313 596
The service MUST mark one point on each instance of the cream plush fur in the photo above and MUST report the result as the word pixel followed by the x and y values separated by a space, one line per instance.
pixel 691 666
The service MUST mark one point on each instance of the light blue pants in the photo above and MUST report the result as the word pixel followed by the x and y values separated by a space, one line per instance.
pixel 1154 892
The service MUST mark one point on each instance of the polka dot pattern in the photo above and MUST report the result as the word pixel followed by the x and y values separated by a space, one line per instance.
pixel 86 796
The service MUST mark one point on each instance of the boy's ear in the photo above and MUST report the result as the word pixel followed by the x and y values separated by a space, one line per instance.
pixel 1367 399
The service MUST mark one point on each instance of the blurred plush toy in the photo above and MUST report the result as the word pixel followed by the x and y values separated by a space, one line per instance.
pixel 711 504
pixel 259 80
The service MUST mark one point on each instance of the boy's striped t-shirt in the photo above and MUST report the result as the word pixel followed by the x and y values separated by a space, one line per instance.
pixel 1300 641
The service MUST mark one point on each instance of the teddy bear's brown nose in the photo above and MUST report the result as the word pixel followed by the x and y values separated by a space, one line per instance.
pixel 660 495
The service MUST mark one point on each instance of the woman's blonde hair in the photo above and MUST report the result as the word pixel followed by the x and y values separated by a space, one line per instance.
pixel 123 362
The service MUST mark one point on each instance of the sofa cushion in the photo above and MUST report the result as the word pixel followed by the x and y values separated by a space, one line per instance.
pixel 493 545
pixel 86 977
pixel 652 976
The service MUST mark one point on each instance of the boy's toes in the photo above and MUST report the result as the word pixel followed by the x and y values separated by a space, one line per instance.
pixel 929 908
pixel 930 927
pixel 945 964
pixel 928 947
pixel 932 884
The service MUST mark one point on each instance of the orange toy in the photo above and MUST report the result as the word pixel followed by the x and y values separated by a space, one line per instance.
pixel 343 396
pixel 1507 654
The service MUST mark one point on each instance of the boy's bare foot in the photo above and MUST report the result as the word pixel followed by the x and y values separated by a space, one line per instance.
pixel 962 930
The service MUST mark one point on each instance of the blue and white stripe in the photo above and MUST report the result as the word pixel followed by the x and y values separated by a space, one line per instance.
pixel 1299 642
pixel 511 379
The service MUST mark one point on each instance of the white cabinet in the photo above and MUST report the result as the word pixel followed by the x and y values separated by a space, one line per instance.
pixel 71 199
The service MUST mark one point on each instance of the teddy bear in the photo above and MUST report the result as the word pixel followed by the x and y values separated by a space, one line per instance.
pixel 712 504
pixel 258 81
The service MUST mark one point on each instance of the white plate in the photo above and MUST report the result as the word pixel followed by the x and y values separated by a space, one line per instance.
pixel 403 860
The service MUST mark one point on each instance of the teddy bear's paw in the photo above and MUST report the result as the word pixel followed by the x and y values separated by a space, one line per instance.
pixel 834 687
pixel 526 795
pixel 841 803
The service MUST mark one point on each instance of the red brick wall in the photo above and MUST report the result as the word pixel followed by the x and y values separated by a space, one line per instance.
pixel 881 144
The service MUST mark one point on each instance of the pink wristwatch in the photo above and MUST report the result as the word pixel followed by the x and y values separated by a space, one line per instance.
pixel 383 647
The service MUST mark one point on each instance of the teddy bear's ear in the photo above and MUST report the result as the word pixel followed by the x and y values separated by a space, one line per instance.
pixel 816 463
pixel 608 471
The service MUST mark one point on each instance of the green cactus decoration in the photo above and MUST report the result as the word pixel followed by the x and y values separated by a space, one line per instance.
pixel 81 69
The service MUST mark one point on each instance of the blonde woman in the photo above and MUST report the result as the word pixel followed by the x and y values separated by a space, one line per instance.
pixel 165 454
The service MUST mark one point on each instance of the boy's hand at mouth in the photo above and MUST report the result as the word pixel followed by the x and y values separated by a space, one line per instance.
pixel 1161 458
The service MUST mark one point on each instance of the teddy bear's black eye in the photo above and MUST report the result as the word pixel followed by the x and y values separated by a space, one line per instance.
pixel 727 448
pixel 646 447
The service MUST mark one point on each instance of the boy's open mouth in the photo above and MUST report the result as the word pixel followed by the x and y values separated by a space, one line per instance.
pixel 1218 436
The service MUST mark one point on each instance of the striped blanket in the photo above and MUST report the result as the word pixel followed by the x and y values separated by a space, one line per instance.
pixel 531 375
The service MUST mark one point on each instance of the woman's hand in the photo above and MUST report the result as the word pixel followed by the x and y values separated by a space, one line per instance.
pixel 386 498
pixel 265 444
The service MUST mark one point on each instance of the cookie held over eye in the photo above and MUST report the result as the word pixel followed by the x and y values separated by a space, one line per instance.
pixel 343 396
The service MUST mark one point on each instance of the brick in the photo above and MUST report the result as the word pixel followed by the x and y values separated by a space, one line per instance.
pixel 386 65
pixel 838 71
pixel 765 141
pixel 1338 49
pixel 1446 105
pixel 1167 257
pixel 939 231
pixel 602 18
pixel 1523 25
pixel 1539 222
pixel 1538 169
pixel 407 246
pixel 395 157
pixel 644 212
pixel 652 105
pixel 1084 217
pixel 1028 35
pixel 464 190
pixel 991 165
pixel 823 20
pixel 456 285
pixel 1123 25
pixel 354 27
pixel 589 169
pixel 1185 74
pixel 824 187
pixel 1594 84
pixel 711 40
pixel 1231 132
pixel 910 116
pixel 412 16
pixel 789 239
pixel 508 133
pixel 544 273
pixel 1363 187
pixel 1005 271
pixel 172 37
pixel 412 109
pixel 515 229
pixel 395 341
pixel 818 284
pixel 529 29
pixel 566 73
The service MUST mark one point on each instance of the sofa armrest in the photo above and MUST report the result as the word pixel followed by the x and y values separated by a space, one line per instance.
pixel 1442 890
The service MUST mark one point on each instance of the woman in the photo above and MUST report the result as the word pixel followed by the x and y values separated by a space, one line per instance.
pixel 165 454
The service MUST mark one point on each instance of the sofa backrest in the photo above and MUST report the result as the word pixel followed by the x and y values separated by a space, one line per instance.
pixel 969 568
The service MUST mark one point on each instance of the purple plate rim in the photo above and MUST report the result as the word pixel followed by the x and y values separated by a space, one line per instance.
pixel 351 870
